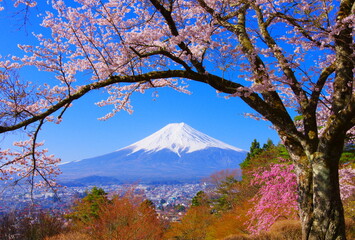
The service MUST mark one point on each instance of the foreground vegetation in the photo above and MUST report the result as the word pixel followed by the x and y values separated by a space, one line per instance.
pixel 258 204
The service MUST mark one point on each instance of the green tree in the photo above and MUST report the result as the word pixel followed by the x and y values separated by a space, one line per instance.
pixel 258 157
pixel 148 203
pixel 225 195
pixel 200 199
pixel 224 182
pixel 254 150
pixel 87 209
pixel 268 144
pixel 180 208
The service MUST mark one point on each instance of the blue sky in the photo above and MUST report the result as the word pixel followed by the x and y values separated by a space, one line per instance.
pixel 81 135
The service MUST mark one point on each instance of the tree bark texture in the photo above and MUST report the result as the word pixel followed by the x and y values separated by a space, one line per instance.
pixel 321 209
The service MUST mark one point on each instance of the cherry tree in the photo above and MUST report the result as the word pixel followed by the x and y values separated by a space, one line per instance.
pixel 292 61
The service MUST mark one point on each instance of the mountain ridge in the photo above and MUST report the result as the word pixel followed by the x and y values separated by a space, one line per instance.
pixel 177 152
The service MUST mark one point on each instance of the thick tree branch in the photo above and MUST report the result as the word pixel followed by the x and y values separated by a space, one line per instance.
pixel 302 30
pixel 87 88
pixel 272 104
pixel 276 116
pixel 345 62
pixel 165 53
pixel 339 123
pixel 285 66
pixel 174 31
pixel 273 114
pixel 309 114
pixel 318 87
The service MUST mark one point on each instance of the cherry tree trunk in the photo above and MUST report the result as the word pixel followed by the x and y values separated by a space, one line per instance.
pixel 321 209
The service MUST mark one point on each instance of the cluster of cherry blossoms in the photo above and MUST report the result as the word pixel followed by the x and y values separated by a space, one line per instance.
pixel 29 3
pixel 277 196
pixel 30 163
pixel 286 48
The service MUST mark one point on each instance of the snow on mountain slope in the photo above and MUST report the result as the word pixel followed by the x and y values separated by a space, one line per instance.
pixel 176 152
pixel 178 138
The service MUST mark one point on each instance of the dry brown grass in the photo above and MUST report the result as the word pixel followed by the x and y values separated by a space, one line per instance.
pixel 288 230
pixel 350 228
pixel 263 236
pixel 280 230
pixel 238 237
pixel 70 236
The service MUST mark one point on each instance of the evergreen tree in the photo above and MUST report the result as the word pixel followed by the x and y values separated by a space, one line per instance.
pixel 87 209
pixel 254 150
pixel 268 144
pixel 148 203
pixel 226 193
pixel 200 199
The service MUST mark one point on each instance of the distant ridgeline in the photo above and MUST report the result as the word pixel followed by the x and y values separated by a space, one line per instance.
pixel 176 153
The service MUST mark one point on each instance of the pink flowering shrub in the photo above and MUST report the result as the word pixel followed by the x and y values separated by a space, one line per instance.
pixel 347 182
pixel 277 196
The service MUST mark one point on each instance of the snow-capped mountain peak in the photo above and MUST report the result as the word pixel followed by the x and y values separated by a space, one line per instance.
pixel 177 152
pixel 178 138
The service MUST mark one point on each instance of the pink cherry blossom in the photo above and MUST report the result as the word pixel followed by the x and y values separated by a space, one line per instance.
pixel 277 197
pixel 292 61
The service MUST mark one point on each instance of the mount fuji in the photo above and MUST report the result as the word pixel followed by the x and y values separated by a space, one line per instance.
pixel 175 153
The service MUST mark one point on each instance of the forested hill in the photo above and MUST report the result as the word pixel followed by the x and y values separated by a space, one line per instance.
pixel 260 204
